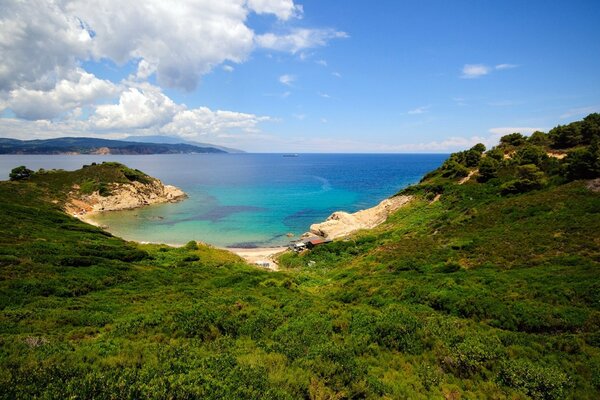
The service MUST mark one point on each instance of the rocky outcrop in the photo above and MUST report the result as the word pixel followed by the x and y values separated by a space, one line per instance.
pixel 123 196
pixel 594 185
pixel 341 223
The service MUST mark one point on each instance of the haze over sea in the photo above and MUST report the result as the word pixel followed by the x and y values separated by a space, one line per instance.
pixel 248 200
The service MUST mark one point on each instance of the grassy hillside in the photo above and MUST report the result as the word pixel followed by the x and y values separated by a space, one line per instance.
pixel 487 289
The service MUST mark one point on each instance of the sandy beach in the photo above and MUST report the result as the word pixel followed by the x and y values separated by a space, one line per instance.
pixel 262 256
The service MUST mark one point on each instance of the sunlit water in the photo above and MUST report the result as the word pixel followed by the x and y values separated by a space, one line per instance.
pixel 248 200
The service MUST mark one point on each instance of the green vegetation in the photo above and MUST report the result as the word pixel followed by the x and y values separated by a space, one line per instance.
pixel 492 291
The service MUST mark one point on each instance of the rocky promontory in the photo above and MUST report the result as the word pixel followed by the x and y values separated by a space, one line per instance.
pixel 341 223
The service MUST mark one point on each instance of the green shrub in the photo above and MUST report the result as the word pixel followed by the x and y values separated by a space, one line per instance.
pixel 530 154
pixel 514 139
pixel 529 177
pixel 397 329
pixel 20 173
pixel 536 381
pixel 584 163
pixel 488 169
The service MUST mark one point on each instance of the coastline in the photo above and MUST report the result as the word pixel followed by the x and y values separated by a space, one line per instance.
pixel 338 225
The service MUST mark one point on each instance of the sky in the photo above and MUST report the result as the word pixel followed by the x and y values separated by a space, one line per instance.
pixel 298 76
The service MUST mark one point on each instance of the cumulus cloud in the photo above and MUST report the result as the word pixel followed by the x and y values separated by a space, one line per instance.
pixel 298 39
pixel 39 43
pixel 137 108
pixel 78 89
pixel 283 9
pixel 228 68
pixel 203 121
pixel 179 42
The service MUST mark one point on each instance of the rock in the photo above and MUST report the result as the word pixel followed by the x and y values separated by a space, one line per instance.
pixel 289 234
pixel 341 223
pixel 594 185
pixel 126 196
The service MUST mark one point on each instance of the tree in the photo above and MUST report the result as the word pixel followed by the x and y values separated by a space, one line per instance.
pixel 539 139
pixel 584 163
pixel 529 177
pixel 531 154
pixel 566 136
pixel 488 169
pixel 495 153
pixel 514 139
pixel 479 147
pixel 453 169
pixel 590 128
pixel 20 173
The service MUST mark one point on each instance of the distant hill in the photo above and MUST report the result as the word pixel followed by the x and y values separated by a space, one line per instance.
pixel 75 145
pixel 177 140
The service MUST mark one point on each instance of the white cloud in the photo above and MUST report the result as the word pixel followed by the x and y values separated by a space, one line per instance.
pixel 324 95
pixel 419 110
pixel 202 121
pixel 77 90
pixel 580 112
pixel 336 74
pixel 283 9
pixel 471 71
pixel 228 68
pixel 141 107
pixel 145 69
pixel 322 63
pixel 505 66
pixel 287 79
pixel 38 41
pixel 298 39
pixel 507 130
pixel 180 42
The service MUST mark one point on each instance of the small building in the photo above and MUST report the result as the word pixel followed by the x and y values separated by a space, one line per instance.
pixel 313 242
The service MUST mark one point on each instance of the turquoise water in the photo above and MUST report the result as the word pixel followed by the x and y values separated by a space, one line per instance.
pixel 249 200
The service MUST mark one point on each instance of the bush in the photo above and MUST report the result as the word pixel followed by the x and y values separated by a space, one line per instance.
pixel 488 169
pixel 452 169
pixel 539 139
pixel 474 354
pixel 538 382
pixel 529 177
pixel 514 139
pixel 565 136
pixel 530 154
pixel 583 163
pixel 20 173
pixel 399 330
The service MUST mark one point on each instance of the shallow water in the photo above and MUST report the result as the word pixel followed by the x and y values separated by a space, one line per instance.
pixel 248 200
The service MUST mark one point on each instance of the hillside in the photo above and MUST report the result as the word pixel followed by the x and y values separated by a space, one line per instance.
pixel 177 140
pixel 74 145
pixel 485 285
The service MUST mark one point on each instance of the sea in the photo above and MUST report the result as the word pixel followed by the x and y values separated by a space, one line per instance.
pixel 247 200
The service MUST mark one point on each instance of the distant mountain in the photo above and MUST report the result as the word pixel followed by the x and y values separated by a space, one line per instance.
pixel 177 140
pixel 75 145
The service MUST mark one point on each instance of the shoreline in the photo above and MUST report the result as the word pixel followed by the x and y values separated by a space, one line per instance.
pixel 339 224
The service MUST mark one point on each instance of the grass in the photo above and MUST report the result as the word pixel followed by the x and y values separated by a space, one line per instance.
pixel 477 295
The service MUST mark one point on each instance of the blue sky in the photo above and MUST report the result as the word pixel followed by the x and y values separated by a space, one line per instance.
pixel 304 76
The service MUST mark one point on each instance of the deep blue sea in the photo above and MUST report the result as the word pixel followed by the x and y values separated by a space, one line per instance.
pixel 248 200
